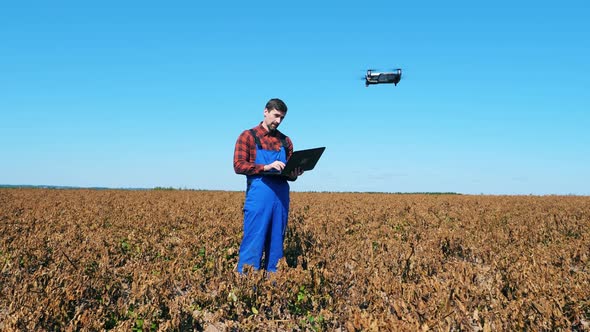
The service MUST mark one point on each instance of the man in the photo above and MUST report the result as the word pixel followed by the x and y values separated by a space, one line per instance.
pixel 264 149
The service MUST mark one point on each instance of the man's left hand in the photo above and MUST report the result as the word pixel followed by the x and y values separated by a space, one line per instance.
pixel 295 173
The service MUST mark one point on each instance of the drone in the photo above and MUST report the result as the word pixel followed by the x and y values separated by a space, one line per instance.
pixel 373 77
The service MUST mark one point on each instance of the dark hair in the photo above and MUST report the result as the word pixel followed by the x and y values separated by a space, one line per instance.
pixel 276 104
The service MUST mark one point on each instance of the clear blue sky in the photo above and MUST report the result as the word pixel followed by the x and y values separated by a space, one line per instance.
pixel 494 99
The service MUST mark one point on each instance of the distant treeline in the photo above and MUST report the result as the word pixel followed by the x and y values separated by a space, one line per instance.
pixel 172 188
pixel 30 186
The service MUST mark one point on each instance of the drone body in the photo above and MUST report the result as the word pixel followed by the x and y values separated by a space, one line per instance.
pixel 373 77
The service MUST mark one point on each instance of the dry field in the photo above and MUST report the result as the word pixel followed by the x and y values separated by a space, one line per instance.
pixel 165 260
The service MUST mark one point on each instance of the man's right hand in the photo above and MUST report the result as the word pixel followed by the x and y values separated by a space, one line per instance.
pixel 278 165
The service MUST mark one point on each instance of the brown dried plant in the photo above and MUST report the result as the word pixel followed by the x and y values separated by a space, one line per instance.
pixel 165 260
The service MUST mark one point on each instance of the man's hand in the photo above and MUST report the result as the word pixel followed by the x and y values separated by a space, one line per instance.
pixel 278 165
pixel 295 173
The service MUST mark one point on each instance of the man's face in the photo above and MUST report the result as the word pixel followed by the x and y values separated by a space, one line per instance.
pixel 272 118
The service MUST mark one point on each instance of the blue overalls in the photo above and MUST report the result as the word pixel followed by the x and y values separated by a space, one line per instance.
pixel 265 214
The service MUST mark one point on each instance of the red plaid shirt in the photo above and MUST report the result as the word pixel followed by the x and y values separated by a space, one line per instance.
pixel 245 151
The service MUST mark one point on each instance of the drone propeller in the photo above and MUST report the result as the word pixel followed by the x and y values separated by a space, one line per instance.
pixel 403 73
pixel 364 76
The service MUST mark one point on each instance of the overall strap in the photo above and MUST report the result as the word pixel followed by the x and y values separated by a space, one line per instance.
pixel 256 139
